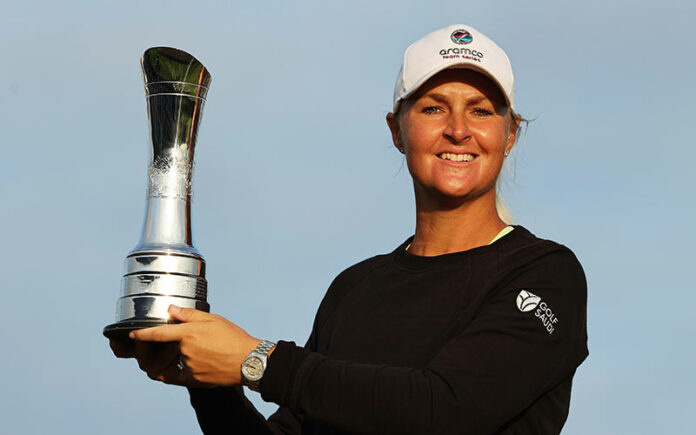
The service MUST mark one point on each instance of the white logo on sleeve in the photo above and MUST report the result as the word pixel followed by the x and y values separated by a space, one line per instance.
pixel 527 301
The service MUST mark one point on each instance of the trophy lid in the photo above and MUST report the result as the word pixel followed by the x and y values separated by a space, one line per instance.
pixel 169 69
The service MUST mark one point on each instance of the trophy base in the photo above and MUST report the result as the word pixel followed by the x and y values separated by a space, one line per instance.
pixel 120 330
pixel 145 311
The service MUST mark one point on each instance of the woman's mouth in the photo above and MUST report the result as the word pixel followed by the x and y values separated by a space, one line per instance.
pixel 457 157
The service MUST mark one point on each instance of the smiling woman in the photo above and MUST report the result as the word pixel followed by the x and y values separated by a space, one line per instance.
pixel 455 132
pixel 469 326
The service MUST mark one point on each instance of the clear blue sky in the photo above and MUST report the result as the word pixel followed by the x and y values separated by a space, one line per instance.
pixel 297 179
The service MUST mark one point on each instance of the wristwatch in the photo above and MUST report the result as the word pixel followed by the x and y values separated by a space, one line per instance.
pixel 255 364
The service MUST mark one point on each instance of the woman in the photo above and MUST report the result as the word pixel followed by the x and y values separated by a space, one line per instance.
pixel 470 326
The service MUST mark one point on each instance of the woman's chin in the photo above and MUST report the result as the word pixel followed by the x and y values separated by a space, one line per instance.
pixel 454 194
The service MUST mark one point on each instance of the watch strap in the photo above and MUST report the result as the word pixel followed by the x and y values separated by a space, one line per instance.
pixel 264 347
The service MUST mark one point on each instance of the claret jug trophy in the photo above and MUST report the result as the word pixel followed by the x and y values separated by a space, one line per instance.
pixel 165 268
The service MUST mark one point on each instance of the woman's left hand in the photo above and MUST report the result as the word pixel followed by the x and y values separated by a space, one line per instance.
pixel 212 348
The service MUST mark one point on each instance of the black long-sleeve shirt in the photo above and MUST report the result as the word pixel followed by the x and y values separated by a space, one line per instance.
pixel 476 342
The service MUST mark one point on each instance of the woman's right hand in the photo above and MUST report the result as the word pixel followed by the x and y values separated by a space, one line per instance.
pixel 158 360
pixel 122 348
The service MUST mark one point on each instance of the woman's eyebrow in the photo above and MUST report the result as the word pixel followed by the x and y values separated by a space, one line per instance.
pixel 443 98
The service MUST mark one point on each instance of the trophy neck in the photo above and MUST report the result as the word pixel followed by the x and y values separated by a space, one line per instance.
pixel 167 226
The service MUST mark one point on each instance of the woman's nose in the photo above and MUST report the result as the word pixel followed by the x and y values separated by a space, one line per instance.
pixel 457 130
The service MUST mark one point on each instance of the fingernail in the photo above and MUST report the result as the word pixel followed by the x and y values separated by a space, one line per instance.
pixel 131 335
pixel 174 309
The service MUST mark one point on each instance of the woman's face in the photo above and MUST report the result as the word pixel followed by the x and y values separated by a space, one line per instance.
pixel 454 132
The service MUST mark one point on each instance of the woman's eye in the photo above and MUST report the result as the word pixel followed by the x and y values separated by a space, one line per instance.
pixel 482 112
pixel 431 109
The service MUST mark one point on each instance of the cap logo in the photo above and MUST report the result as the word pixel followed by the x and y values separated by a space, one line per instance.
pixel 461 36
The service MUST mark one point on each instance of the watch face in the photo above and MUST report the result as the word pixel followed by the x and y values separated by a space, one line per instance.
pixel 252 368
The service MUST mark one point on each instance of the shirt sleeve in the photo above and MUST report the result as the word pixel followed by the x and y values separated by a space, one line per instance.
pixel 528 336
pixel 225 410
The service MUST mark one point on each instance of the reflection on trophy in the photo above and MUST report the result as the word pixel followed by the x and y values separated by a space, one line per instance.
pixel 164 268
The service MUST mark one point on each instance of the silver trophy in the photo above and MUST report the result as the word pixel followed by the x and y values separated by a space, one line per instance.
pixel 164 268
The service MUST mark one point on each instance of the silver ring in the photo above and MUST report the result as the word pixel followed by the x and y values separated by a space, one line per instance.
pixel 180 364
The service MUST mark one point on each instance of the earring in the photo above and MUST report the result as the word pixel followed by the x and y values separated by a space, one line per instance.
pixel 401 150
pixel 507 153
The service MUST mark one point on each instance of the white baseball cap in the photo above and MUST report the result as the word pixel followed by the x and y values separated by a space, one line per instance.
pixel 455 46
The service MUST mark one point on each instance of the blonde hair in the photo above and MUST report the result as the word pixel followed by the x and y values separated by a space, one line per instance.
pixel 503 211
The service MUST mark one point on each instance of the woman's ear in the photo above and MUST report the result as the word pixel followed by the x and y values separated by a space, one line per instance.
pixel 512 136
pixel 393 123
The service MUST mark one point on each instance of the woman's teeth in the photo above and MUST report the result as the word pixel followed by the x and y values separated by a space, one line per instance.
pixel 457 157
